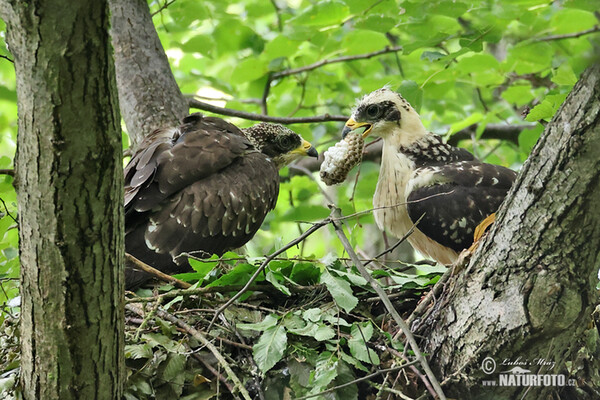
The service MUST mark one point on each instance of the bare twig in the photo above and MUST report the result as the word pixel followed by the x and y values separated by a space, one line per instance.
pixel 163 7
pixel 398 243
pixel 8 212
pixel 422 306
pixel 364 378
pixel 10 172
pixel 278 14
pixel 202 339
pixel 216 373
pixel 193 103
pixel 387 303
pixel 156 273
pixel 7 58
pixel 594 29
pixel 263 100
pixel 319 64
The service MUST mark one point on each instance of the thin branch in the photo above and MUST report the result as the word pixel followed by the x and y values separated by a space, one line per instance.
pixel 224 99
pixel 156 273
pixel 163 7
pixel 398 243
pixel 436 290
pixel 278 14
pixel 7 58
pixel 264 264
pixel 10 172
pixel 193 103
pixel 319 64
pixel 202 339
pixel 364 378
pixel 263 100
pixel 595 29
pixel 387 303
pixel 8 212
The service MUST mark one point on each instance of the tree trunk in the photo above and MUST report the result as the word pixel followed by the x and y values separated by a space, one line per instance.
pixel 526 299
pixel 148 94
pixel 69 182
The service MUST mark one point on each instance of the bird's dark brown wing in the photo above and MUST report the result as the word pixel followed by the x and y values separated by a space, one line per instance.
pixel 206 189
pixel 454 198
pixel 171 159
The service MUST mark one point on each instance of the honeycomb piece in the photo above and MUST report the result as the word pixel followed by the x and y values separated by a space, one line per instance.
pixel 341 158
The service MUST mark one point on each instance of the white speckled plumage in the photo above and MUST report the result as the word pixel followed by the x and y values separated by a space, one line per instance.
pixel 422 176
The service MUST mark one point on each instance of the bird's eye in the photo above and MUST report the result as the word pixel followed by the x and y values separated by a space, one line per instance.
pixel 373 111
pixel 285 142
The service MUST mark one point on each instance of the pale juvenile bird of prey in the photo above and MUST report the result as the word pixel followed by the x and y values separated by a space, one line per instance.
pixel 203 187
pixel 421 175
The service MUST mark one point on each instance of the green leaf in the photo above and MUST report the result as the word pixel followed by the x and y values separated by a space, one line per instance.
pixel 280 46
pixel 239 275
pixel 136 351
pixel 528 138
pixel 477 63
pixel 363 41
pixel 313 314
pixel 470 120
pixel 202 44
pixel 270 348
pixel 324 332
pixel 377 23
pixel 173 366
pixel 249 70
pixel 340 291
pixel 325 372
pixel 361 334
pixel 564 75
pixel 530 58
pixel 203 268
pixel 345 376
pixel 520 93
pixel 276 279
pixel 269 322
pixel 305 273
pixel 412 93
pixel 569 20
pixel 547 108
pixel 324 13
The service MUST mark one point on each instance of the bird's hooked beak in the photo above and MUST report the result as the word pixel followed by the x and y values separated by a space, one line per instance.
pixel 306 149
pixel 352 125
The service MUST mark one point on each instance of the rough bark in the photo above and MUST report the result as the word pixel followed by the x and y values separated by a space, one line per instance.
pixel 69 182
pixel 529 291
pixel 148 94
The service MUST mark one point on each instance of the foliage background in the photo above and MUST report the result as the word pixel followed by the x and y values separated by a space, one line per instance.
pixel 461 63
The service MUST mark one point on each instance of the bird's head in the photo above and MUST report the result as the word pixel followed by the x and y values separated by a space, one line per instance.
pixel 385 113
pixel 281 144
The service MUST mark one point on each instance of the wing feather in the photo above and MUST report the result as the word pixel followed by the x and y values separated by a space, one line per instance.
pixel 454 198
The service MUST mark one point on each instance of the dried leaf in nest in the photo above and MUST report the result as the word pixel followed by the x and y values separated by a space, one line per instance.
pixel 341 158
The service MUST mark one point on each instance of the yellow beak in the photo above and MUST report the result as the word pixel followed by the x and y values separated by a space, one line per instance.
pixel 305 149
pixel 352 125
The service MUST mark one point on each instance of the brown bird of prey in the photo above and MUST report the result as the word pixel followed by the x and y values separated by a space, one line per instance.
pixel 203 188
pixel 421 176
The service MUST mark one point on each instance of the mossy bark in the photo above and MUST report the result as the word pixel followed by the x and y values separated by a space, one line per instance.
pixel 69 182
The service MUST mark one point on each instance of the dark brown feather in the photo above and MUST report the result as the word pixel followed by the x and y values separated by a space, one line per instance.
pixel 464 195
pixel 201 187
